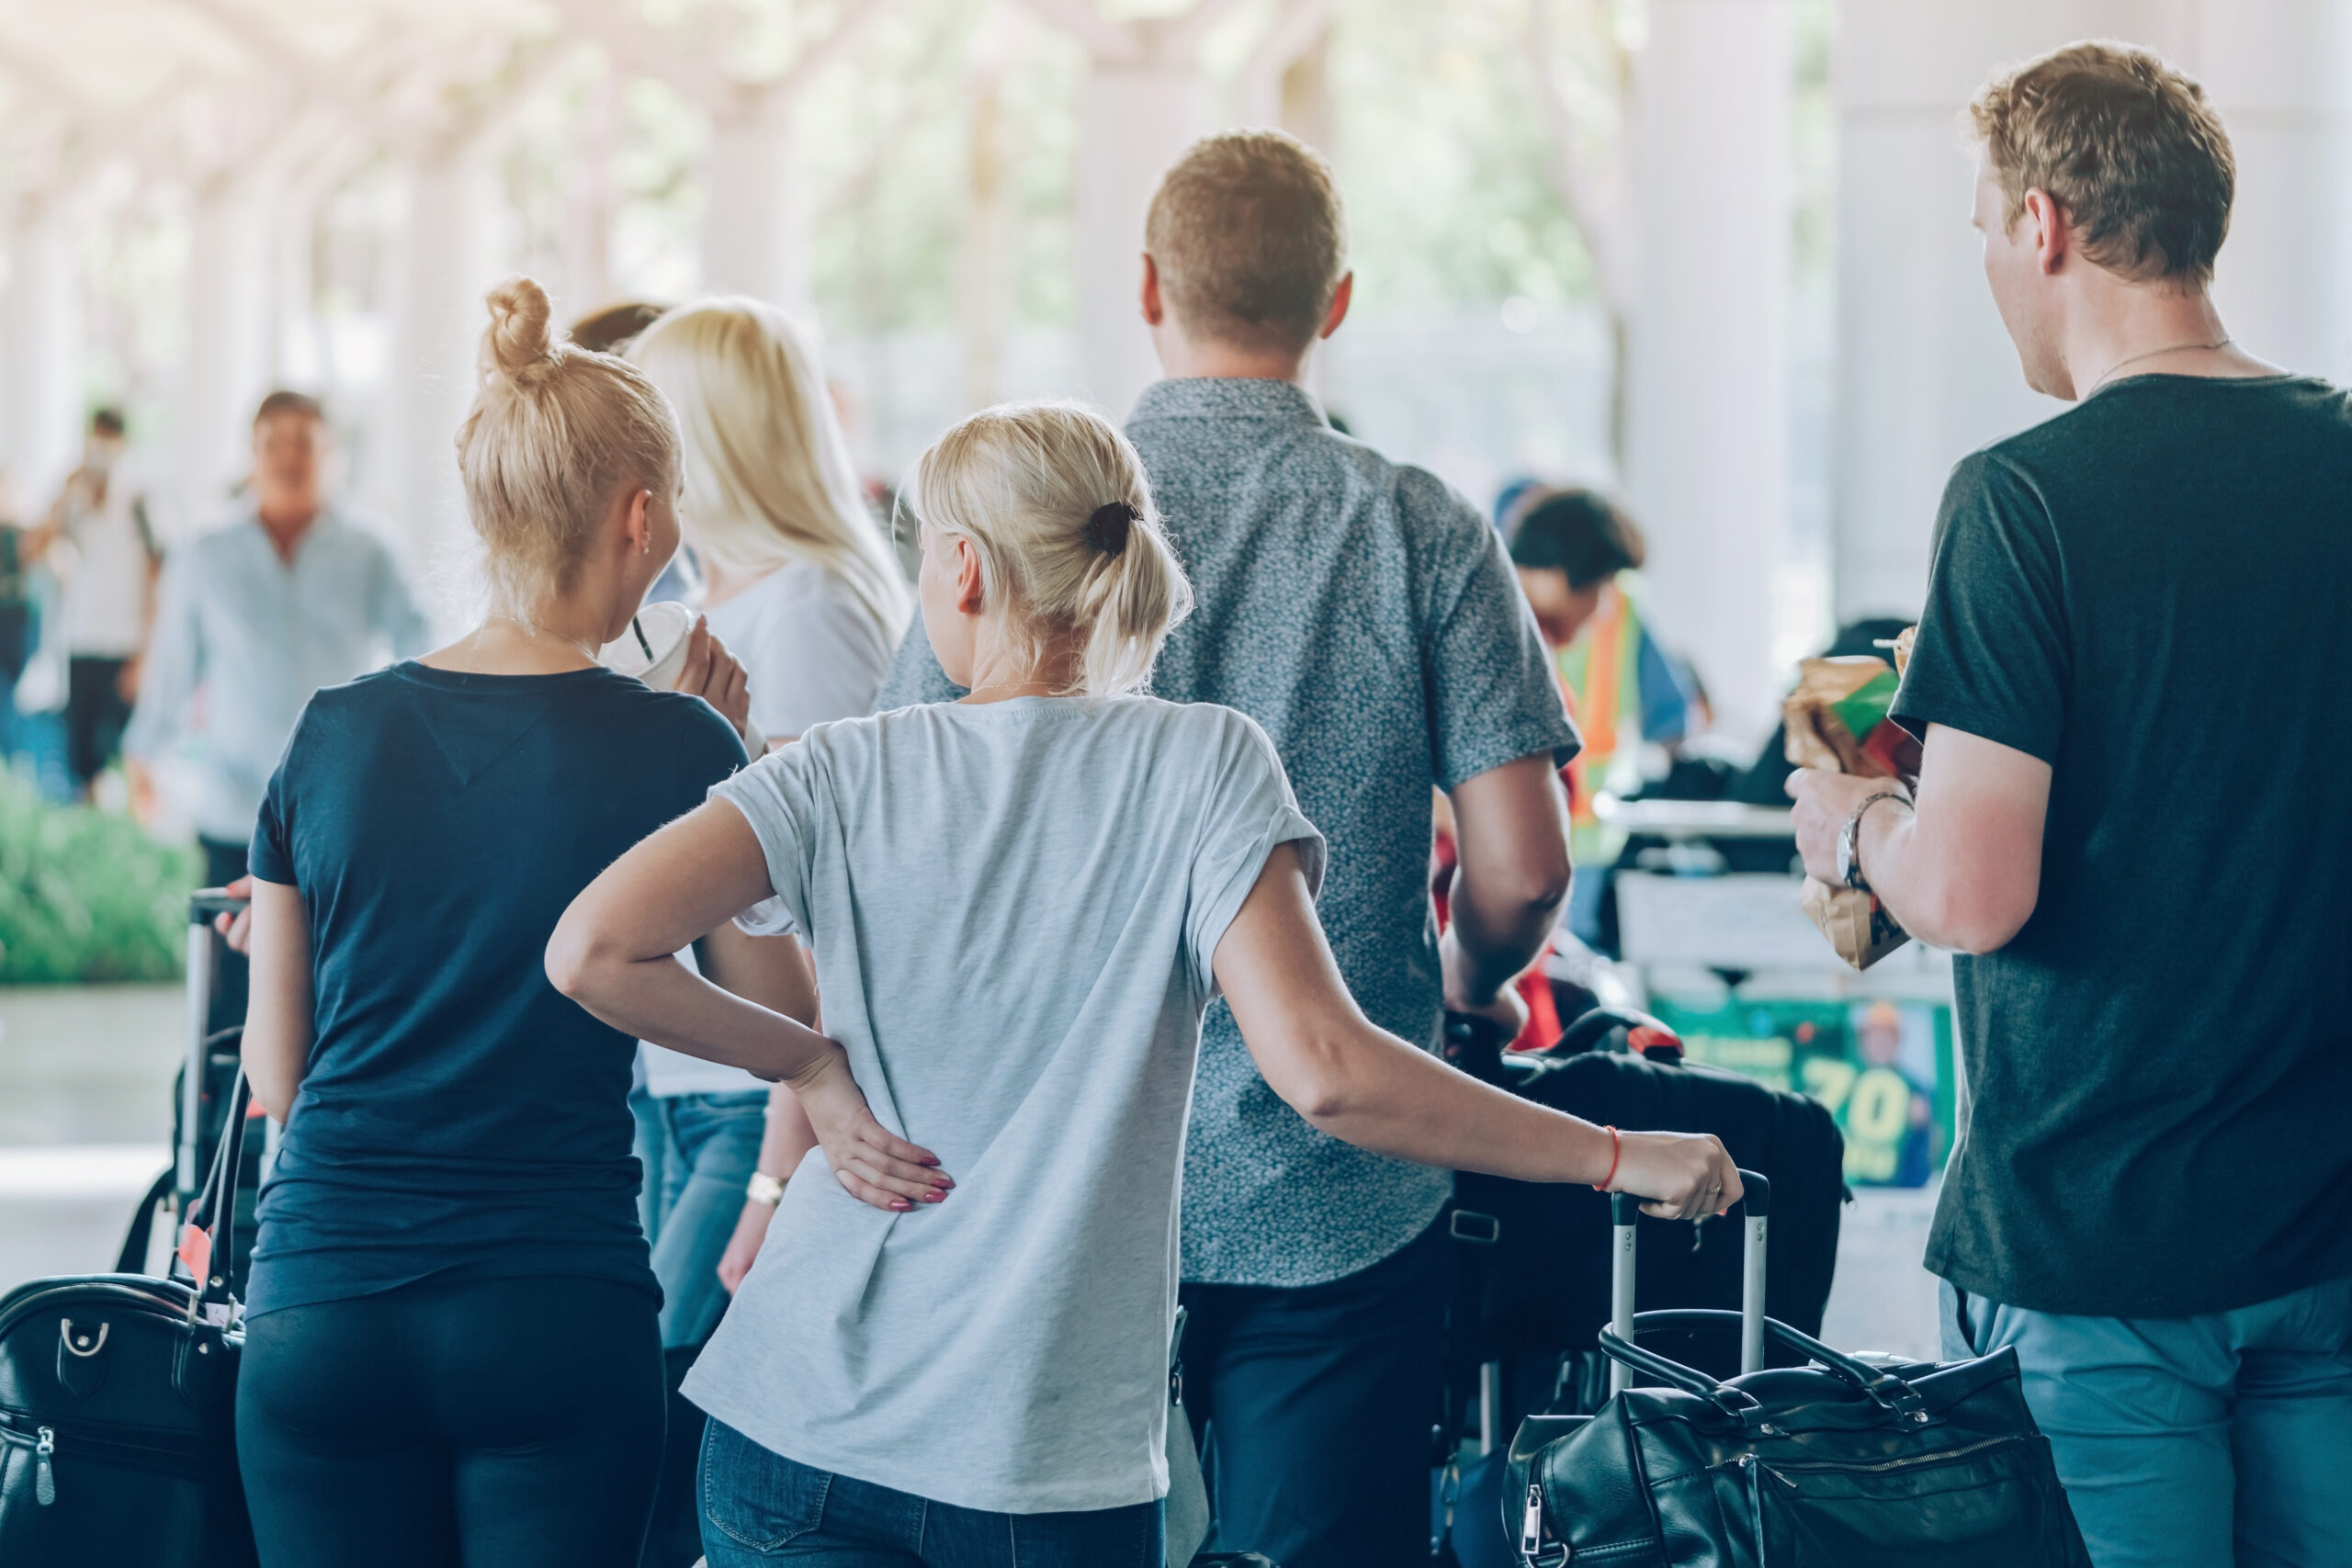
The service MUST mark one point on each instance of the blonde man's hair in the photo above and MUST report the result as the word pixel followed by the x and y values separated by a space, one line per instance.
pixel 1027 484
pixel 768 477
pixel 2128 145
pixel 555 436
pixel 1250 240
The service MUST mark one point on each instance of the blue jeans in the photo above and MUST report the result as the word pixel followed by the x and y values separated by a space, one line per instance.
pixel 758 1507
pixel 707 1147
pixel 2191 1442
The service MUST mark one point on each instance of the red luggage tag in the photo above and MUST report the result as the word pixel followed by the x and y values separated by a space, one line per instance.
pixel 1654 1044
pixel 195 1251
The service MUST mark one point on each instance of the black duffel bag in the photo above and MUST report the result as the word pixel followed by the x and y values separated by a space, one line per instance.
pixel 118 1407
pixel 1839 1464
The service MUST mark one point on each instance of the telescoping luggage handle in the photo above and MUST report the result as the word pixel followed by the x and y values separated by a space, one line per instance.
pixel 1897 1398
pixel 202 905
pixel 1624 1216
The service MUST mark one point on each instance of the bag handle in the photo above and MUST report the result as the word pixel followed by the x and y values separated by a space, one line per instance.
pixel 1588 1029
pixel 215 1237
pixel 1889 1392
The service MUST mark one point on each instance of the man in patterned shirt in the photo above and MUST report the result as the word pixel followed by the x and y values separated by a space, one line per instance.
pixel 1367 617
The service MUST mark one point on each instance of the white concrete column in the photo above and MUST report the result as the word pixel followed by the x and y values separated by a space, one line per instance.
pixel 754 231
pixel 230 334
pixel 445 268
pixel 40 350
pixel 1706 433
pixel 1135 119
pixel 2280 72
pixel 588 223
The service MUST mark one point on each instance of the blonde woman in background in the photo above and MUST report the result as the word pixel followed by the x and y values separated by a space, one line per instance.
pixel 800 582
pixel 802 586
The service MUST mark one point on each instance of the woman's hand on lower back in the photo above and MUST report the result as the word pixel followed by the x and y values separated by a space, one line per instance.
pixel 1685 1176
pixel 875 1165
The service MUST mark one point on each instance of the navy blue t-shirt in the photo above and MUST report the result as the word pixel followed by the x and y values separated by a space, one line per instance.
pixel 459 1117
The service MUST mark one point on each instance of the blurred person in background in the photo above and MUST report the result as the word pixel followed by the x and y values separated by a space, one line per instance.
pixel 99 539
pixel 1578 557
pixel 17 607
pixel 283 597
pixel 802 587
pixel 2130 687
pixel 799 579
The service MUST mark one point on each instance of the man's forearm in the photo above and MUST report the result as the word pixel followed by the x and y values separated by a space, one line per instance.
pixel 1487 948
pixel 1512 876
pixel 1925 881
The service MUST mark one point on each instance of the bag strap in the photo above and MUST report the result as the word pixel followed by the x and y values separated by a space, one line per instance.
pixel 1889 1392
pixel 213 1237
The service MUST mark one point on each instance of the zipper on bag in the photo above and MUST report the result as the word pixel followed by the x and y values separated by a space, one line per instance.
pixel 1916 1461
pixel 44 1474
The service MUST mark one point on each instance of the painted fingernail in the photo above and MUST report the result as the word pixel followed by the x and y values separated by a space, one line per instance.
pixel 901 1206
pixel 934 1196
pixel 928 1159
pixel 944 1181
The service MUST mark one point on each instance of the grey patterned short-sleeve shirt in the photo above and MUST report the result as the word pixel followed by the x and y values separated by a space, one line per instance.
pixel 1367 619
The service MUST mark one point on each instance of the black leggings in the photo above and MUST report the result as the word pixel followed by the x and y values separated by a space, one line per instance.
pixel 498 1424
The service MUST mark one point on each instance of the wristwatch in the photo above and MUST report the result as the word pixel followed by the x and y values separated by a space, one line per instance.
pixel 1850 859
pixel 766 1189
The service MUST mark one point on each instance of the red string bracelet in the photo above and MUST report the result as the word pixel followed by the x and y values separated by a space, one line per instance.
pixel 1616 1147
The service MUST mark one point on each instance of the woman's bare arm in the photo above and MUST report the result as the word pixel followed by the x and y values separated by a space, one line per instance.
pixel 279 1021
pixel 615 954
pixel 1364 1086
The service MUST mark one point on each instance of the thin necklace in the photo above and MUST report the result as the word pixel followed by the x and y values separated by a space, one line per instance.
pixel 532 634
pixel 2156 352
pixel 1009 686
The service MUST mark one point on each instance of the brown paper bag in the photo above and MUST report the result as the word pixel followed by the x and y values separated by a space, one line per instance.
pixel 1836 720
pixel 1819 733
pixel 1858 926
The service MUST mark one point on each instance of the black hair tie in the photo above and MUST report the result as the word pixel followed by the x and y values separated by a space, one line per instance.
pixel 1106 530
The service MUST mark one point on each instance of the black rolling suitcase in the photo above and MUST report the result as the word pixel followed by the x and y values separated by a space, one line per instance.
pixel 1830 1463
pixel 117 1402
pixel 1532 1281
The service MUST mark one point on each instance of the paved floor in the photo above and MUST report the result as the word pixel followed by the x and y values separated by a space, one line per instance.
pixel 86 1080
pixel 85 1077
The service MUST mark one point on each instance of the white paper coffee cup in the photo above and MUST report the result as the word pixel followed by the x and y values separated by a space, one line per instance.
pixel 658 658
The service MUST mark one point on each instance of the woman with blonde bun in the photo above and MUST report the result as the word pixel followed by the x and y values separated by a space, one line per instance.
pixel 451 1353
pixel 1020 904
pixel 807 593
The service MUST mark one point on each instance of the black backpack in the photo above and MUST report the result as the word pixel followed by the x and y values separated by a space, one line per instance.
pixel 118 1406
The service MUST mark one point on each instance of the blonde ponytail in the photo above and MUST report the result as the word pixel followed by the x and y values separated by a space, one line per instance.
pixel 554 435
pixel 1056 507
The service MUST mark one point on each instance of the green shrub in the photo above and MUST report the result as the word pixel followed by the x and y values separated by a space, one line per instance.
pixel 87 894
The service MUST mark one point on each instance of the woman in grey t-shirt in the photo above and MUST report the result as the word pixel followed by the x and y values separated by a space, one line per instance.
pixel 1020 904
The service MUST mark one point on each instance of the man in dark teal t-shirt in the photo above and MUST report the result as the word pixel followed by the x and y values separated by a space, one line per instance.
pixel 2131 683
